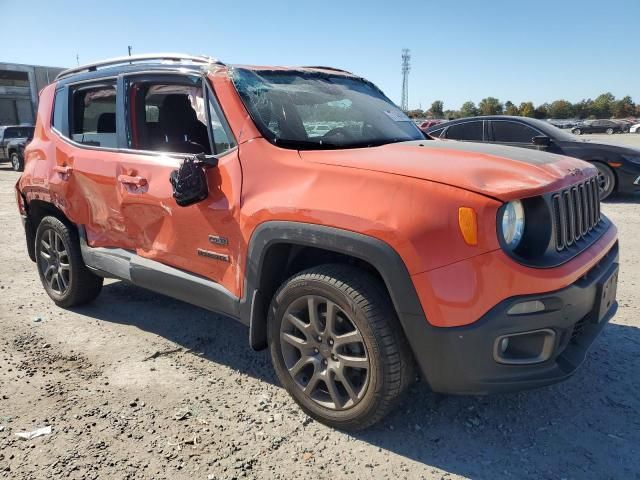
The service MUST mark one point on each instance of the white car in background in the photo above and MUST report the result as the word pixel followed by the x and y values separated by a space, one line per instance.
pixel 635 128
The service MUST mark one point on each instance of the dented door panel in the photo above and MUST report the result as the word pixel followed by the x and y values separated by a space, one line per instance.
pixel 178 236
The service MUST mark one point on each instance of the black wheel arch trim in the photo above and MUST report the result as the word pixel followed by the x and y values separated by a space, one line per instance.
pixel 377 253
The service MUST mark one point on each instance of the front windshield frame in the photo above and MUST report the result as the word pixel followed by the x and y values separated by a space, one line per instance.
pixel 302 140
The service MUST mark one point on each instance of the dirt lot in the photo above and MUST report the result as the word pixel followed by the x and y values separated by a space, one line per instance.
pixel 137 385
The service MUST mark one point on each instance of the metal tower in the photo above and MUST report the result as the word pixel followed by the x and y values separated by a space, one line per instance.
pixel 406 68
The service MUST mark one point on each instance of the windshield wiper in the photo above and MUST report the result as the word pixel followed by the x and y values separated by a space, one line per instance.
pixel 322 145
pixel 307 145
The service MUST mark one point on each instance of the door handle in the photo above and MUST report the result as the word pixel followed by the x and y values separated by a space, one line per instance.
pixel 63 169
pixel 131 180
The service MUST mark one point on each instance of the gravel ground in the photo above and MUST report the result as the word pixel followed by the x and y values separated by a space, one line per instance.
pixel 137 385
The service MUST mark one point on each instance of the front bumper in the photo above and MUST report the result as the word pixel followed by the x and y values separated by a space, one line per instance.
pixel 628 178
pixel 462 360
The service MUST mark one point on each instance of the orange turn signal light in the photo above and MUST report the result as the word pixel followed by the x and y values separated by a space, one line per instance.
pixel 468 221
pixel 615 164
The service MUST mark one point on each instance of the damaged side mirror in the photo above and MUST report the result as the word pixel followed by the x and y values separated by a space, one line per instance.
pixel 189 182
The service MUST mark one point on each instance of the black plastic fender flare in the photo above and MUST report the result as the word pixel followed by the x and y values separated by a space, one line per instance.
pixel 377 253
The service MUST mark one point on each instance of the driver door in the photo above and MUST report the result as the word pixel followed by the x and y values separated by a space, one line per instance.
pixel 168 118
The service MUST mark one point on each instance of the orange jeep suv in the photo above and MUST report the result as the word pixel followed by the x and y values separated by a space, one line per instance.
pixel 302 202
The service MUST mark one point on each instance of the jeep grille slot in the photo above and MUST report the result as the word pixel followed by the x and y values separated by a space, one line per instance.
pixel 576 212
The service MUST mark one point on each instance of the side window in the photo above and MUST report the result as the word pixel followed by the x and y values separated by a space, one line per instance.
pixel 512 132
pixel 167 117
pixel 469 131
pixel 93 117
pixel 58 110
pixel 222 137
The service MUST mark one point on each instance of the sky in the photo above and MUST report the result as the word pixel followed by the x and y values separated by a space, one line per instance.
pixel 461 50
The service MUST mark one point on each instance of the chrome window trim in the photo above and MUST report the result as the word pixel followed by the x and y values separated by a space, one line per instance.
pixel 132 151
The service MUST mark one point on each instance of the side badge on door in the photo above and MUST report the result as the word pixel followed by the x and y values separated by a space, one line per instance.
pixel 214 255
pixel 217 240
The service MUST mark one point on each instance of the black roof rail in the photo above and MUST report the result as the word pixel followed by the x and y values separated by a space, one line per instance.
pixel 149 57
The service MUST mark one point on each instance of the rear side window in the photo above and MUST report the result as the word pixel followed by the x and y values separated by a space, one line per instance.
pixel 93 119
pixel 512 132
pixel 58 110
pixel 436 133
pixel 470 131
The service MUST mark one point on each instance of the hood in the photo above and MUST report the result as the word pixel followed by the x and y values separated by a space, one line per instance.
pixel 501 172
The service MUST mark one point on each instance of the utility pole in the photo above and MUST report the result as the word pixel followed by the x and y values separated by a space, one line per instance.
pixel 78 59
pixel 129 48
pixel 406 68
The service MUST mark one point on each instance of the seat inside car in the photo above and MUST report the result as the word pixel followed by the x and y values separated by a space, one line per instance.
pixel 179 127
pixel 106 123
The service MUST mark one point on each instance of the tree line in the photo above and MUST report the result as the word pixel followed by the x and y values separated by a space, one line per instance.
pixel 604 106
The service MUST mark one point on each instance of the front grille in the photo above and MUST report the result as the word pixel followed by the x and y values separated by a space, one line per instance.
pixel 576 211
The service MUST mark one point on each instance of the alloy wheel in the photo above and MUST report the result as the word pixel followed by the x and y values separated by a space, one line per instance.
pixel 324 352
pixel 605 181
pixel 53 261
pixel 15 162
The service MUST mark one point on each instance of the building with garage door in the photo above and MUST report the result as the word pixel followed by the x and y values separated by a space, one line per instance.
pixel 19 87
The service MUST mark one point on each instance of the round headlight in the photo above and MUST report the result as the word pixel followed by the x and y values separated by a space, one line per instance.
pixel 513 223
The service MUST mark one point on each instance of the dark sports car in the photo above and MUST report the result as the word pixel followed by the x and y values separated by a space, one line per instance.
pixel 618 165
pixel 598 126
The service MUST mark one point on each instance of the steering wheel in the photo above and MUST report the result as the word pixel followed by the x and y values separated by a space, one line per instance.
pixel 339 132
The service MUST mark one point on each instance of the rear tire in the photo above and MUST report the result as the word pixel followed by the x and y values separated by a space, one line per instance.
pixel 577 131
pixel 606 180
pixel 609 131
pixel 65 277
pixel 315 354
pixel 16 162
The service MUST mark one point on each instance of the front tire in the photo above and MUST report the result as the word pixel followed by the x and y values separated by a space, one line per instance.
pixel 577 131
pixel 606 180
pixel 16 162
pixel 65 277
pixel 337 346
pixel 609 131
